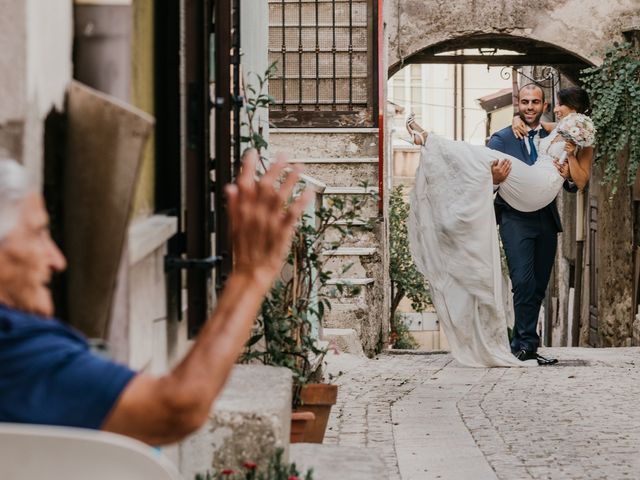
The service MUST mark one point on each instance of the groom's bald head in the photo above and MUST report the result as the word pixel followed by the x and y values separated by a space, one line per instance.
pixel 531 87
pixel 531 104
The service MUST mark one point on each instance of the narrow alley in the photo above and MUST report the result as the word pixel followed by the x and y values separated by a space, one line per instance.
pixel 430 418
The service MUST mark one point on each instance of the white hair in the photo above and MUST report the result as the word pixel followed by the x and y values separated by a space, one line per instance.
pixel 14 187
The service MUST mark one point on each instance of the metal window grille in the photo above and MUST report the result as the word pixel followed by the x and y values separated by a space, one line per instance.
pixel 323 55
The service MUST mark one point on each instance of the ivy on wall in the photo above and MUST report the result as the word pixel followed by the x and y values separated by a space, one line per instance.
pixel 614 88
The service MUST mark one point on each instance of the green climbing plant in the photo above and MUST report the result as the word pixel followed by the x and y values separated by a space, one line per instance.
pixel 406 280
pixel 614 88
pixel 256 99
pixel 283 335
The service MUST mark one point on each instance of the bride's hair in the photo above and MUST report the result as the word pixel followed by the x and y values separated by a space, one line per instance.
pixel 576 98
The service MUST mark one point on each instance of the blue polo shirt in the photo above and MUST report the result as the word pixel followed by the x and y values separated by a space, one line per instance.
pixel 49 376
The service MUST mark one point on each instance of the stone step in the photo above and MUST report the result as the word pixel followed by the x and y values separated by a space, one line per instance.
pixel 324 161
pixel 345 340
pixel 343 174
pixel 348 197
pixel 355 130
pixel 350 281
pixel 346 315
pixel 325 142
pixel 339 259
pixel 249 421
pixel 350 190
pixel 357 233
pixel 338 461
pixel 349 251
pixel 355 223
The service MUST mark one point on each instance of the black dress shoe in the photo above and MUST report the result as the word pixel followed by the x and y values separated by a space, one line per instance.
pixel 544 361
pixel 525 355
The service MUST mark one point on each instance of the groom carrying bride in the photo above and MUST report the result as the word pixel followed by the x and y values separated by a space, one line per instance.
pixel 452 224
pixel 529 238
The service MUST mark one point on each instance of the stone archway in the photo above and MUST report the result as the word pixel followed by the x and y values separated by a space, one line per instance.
pixel 527 52
pixel 579 29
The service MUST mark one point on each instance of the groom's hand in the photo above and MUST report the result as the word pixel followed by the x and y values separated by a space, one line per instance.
pixel 500 170
pixel 563 169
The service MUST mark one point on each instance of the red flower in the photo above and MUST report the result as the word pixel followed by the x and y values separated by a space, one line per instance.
pixel 228 471
pixel 250 465
pixel 293 477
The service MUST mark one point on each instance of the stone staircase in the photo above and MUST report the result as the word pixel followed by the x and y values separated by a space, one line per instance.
pixel 344 158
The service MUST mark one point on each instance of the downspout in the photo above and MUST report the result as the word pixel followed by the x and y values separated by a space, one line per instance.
pixel 381 105
pixel 462 102
pixel 455 102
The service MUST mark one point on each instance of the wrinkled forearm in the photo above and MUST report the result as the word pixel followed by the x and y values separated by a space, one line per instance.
pixel 206 367
pixel 166 409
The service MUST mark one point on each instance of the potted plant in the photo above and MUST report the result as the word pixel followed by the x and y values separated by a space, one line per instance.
pixel 287 331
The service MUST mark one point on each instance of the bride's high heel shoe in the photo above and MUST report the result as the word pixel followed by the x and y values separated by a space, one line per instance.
pixel 418 137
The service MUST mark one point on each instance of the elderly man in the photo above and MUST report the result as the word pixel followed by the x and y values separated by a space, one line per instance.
pixel 47 373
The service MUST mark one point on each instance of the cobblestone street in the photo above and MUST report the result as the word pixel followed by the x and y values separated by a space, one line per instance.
pixel 430 418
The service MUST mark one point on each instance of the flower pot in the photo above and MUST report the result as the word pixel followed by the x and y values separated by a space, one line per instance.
pixel 301 423
pixel 318 398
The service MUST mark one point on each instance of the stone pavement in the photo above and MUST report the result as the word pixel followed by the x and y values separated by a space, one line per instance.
pixel 430 418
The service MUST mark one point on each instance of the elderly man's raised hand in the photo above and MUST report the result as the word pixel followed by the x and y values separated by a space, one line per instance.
pixel 263 218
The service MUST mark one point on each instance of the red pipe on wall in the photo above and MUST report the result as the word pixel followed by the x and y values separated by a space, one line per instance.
pixel 381 106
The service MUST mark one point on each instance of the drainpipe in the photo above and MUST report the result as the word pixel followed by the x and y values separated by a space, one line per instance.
pixel 455 102
pixel 462 102
pixel 381 104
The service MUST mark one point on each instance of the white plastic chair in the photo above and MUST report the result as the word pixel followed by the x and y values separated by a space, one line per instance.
pixel 30 452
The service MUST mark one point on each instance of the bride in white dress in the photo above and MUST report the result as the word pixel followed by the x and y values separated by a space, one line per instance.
pixel 454 239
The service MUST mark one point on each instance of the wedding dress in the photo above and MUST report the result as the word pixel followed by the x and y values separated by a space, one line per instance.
pixel 454 240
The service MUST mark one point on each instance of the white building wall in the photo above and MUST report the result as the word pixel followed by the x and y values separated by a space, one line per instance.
pixel 428 91
pixel 36 72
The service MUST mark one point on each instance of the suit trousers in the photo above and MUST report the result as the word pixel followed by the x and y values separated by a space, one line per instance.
pixel 530 241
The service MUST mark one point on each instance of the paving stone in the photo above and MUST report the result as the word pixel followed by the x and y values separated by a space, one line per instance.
pixel 330 462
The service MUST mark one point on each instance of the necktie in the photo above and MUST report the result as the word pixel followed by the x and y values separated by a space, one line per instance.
pixel 533 155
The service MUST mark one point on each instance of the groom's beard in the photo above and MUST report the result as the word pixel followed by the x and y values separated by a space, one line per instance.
pixel 532 124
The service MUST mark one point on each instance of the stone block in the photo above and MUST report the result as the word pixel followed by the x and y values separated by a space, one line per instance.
pixel 248 422
pixel 321 143
pixel 336 264
pixel 338 461
pixel 347 316
pixel 346 340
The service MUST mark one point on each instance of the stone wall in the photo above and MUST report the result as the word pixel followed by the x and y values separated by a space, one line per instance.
pixel 614 259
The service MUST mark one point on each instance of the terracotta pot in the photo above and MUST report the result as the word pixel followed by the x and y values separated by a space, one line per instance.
pixel 318 398
pixel 301 423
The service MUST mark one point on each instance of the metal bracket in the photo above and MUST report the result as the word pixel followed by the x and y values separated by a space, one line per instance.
pixel 176 263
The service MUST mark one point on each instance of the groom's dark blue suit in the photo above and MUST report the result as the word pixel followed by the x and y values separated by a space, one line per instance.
pixel 529 240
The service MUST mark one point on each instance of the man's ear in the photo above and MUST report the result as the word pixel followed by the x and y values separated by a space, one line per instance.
pixel 545 107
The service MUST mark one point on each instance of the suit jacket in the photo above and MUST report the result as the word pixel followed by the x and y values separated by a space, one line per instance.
pixel 505 141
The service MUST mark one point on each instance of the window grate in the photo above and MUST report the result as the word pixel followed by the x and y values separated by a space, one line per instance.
pixel 323 55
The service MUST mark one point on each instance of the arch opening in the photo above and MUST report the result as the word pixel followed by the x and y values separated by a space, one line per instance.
pixel 520 51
